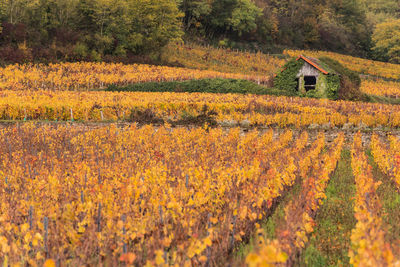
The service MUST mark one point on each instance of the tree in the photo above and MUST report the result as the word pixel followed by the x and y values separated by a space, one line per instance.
pixel 64 12
pixel 153 23
pixel 135 26
pixel 215 18
pixel 244 17
pixel 352 19
pixel 195 14
pixel 386 38
pixel 387 7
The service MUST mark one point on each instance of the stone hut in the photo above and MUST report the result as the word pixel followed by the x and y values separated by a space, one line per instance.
pixel 321 78
pixel 312 75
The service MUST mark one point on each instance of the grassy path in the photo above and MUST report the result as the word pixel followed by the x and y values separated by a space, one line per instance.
pixel 269 225
pixel 330 242
pixel 390 199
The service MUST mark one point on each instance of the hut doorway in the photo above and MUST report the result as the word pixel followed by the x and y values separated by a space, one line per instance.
pixel 310 82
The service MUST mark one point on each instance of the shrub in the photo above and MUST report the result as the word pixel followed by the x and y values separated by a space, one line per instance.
pixel 95 56
pixel 350 81
pixel 80 51
pixel 286 79
pixel 353 76
pixel 203 86
pixel 144 116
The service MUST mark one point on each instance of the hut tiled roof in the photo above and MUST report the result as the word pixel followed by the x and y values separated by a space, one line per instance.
pixel 315 63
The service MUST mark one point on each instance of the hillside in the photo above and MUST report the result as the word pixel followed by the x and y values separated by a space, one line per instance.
pixel 192 133
pixel 195 62
pixel 378 78
pixel 134 31
pixel 213 176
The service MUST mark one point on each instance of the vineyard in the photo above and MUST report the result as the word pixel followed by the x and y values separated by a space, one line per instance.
pixel 228 61
pixel 86 76
pixel 364 66
pixel 381 88
pixel 94 177
pixel 180 201
pixel 155 196
pixel 183 108
pixel 198 63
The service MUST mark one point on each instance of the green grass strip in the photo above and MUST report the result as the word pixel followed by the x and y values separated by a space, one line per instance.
pixel 382 99
pixel 270 224
pixel 224 86
pixel 330 241
pixel 218 85
pixel 390 200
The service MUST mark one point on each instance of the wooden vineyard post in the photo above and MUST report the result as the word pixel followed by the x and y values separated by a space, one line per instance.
pixel 30 221
pixel 233 232
pixel 46 233
pixel 160 209
pixel 72 114
pixel 30 217
pixel 124 246
pixel 208 234
pixel 98 220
